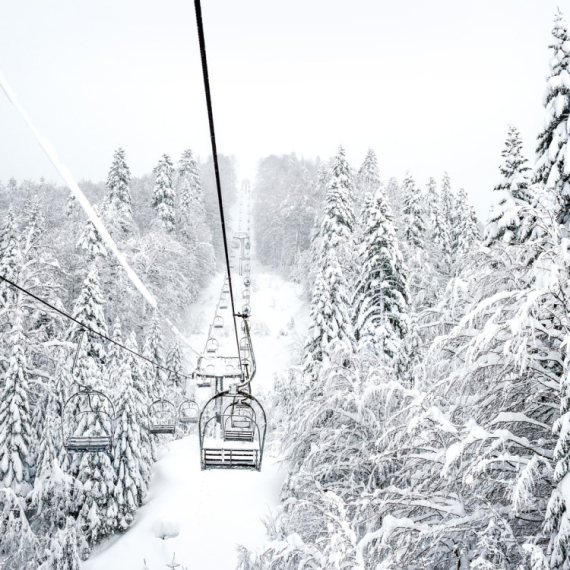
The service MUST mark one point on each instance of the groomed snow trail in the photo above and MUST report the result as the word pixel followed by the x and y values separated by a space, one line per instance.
pixel 214 511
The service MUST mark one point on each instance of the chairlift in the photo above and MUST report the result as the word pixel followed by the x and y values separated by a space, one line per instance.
pixel 247 281
pixel 225 289
pixel 239 421
pixel 223 302
pixel 218 322
pixel 79 408
pixel 246 294
pixel 232 430
pixel 79 434
pixel 188 412
pixel 162 417
pixel 246 310
pixel 212 345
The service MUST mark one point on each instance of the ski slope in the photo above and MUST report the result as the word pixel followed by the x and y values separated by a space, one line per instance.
pixel 211 512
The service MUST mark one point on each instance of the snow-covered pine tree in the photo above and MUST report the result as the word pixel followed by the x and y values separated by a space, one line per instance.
pixel 156 354
pixel 469 236
pixel 551 169
pixel 413 219
pixel 331 325
pixel 338 221
pixel 192 216
pixel 142 402
pixel 118 202
pixel 163 195
pixel 15 417
pixel 174 362
pixel 381 297
pixel 10 258
pixel 115 355
pixel 63 553
pixel 91 242
pixel 369 174
pixel 449 213
pixel 439 242
pixel 130 484
pixel 89 311
pixel 506 217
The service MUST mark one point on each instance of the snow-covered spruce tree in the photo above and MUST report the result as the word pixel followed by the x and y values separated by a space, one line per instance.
pixel 10 258
pixel 506 217
pixel 55 495
pixel 330 317
pixel 174 362
pixel 338 220
pixel 551 169
pixel 98 515
pixel 163 195
pixel 130 484
pixel 118 203
pixel 89 311
pixel 142 402
pixel 413 218
pixel 15 418
pixel 469 236
pixel 91 241
pixel 380 297
pixel 369 174
pixel 63 552
pixel 156 354
pixel 192 217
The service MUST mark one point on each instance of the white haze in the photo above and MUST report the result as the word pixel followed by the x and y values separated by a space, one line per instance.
pixel 430 86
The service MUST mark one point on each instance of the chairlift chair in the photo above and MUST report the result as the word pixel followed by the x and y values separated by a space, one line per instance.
pixel 232 430
pixel 84 404
pixel 218 322
pixel 162 417
pixel 223 302
pixel 188 412
pixel 246 310
pixel 212 345
pixel 247 281
pixel 246 294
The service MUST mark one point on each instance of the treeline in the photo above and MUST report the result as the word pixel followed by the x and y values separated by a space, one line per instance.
pixel 428 425
pixel 55 505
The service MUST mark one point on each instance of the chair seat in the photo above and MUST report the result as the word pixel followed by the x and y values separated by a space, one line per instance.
pixel 95 444
pixel 165 428
pixel 230 459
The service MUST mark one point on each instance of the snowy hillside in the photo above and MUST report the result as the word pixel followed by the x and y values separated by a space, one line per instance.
pixel 213 511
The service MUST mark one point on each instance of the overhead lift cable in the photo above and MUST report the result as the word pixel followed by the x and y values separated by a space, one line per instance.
pixel 89 329
pixel 204 59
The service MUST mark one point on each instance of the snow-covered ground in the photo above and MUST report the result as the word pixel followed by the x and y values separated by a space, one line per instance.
pixel 213 511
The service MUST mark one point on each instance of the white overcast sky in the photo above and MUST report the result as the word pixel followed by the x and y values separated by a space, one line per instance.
pixel 431 85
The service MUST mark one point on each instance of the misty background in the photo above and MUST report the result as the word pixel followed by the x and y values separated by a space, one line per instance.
pixel 430 86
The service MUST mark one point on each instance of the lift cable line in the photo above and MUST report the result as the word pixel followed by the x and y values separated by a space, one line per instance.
pixel 89 329
pixel 84 202
pixel 204 59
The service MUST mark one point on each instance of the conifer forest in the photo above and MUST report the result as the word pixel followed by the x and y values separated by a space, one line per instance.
pixel 323 366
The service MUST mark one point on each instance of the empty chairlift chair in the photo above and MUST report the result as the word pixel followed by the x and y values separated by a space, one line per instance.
pixel 232 430
pixel 246 294
pixel 162 417
pixel 223 302
pixel 218 322
pixel 212 346
pixel 239 422
pixel 188 412
pixel 88 422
